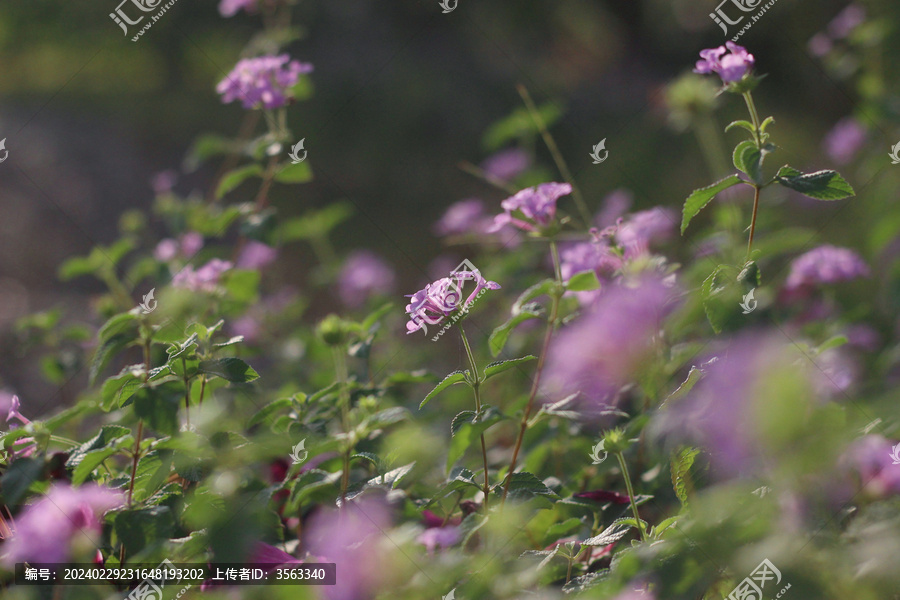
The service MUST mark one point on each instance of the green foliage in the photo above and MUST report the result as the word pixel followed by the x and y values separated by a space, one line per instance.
pixel 700 198
pixel 821 185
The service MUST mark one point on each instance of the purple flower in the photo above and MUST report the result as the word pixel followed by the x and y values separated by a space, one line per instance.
pixel 363 275
pixel 638 230
pixel 615 205
pixel 10 404
pixel 820 45
pixel 597 256
pixel 601 351
pixel 532 207
pixel 66 519
pixel 442 298
pixel 845 140
pixel 256 255
pixel 730 62
pixel 877 463
pixel 439 537
pixel 506 165
pixel 14 413
pixel 163 182
pixel 825 265
pixel 186 246
pixel 847 20
pixel 191 243
pixel 229 8
pixel 353 538
pixel 204 279
pixel 465 216
pixel 262 82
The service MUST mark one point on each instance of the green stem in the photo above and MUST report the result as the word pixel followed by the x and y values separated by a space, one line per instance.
pixel 555 297
pixel 748 98
pixel 341 371
pixel 476 388
pixel 187 393
pixel 753 219
pixel 556 154
pixel 624 467
pixel 757 134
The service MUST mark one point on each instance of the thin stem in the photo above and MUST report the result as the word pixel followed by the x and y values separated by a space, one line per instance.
pixel 548 335
pixel 340 366
pixel 637 518
pixel 751 106
pixel 476 387
pixel 480 173
pixel 202 390
pixel 556 154
pixel 753 219
pixel 262 198
pixel 187 393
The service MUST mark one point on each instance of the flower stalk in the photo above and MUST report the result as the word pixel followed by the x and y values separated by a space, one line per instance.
pixel 476 388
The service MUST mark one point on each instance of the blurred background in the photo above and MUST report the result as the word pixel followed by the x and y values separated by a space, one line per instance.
pixel 403 94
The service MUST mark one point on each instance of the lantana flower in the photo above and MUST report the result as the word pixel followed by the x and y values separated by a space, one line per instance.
pixel 443 298
pixel 730 62
pixel 204 279
pixel 364 274
pixel 531 208
pixel 825 265
pixel 262 82
pixel 22 447
pixel 229 8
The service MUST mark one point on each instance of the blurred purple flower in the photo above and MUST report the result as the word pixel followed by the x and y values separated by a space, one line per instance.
pixel 819 45
pixel 824 265
pixel 603 496
pixel 845 140
pixel 443 297
pixel 46 530
pixel 506 165
pixel 14 413
pixel 352 537
pixel 597 256
pixel 731 62
pixel 837 373
pixel 465 216
pixel 166 250
pixel 191 243
pixel 204 279
pixel 256 255
pixel 863 337
pixel 847 20
pixel 262 82
pixel 185 246
pixel 10 404
pixel 872 459
pixel 229 8
pixel 531 207
pixel 439 537
pixel 163 182
pixel 638 230
pixel 599 353
pixel 363 275
pixel 615 205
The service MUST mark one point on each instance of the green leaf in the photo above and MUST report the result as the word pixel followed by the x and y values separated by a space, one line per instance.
pixel 94 458
pixel 143 527
pixel 700 198
pixel 106 351
pixel 560 530
pixel 124 323
pixel 501 334
pixel 153 470
pixel 265 413
pixel 535 291
pixel 821 185
pixel 517 125
pixel 745 124
pixel 233 370
pixel 720 297
pixel 498 367
pixel 585 281
pixel 615 532
pixel 766 123
pixel 206 146
pixel 18 478
pixel 748 159
pixel 233 179
pixel 158 406
pixel 525 486
pixel 182 349
pixel 109 434
pixel 680 467
pixel 451 379
pixel 316 224
pixel 467 427
pixel 831 343
pixel 291 173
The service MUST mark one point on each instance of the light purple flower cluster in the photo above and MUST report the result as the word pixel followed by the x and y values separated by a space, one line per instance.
pixel 186 246
pixel 601 351
pixel 229 8
pixel 66 517
pixel 730 62
pixel 443 298
pixel 506 165
pixel 256 255
pixel 262 82
pixel 531 208
pixel 845 140
pixel 10 404
pixel 872 459
pixel 637 231
pixel 204 279
pixel 363 275
pixel 465 216
pixel 825 265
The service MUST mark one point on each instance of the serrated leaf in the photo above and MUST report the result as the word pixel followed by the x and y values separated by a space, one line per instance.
pixel 749 159
pixel 700 198
pixel 495 368
pixel 233 370
pixel 18 477
pixel 94 458
pixel 451 379
pixel 680 467
pixel 525 486
pixel 745 124
pixel 106 351
pixel 501 334
pixel 140 528
pixel 535 291
pixel 585 281
pixel 158 406
pixel 264 415
pixel 613 533
pixel 294 173
pixel 467 427
pixel 124 323
pixel 821 185
pixel 183 348
pixel 236 177
pixel 106 437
